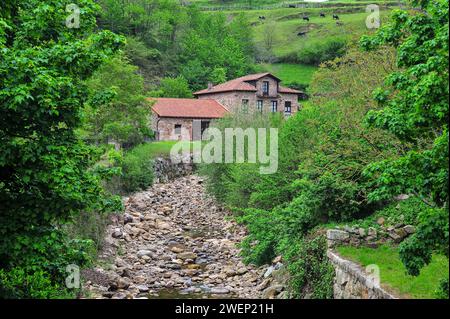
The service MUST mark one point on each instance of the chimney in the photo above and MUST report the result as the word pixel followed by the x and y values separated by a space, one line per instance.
pixel 210 85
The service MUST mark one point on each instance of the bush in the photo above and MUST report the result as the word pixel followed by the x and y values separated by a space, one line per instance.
pixel 318 52
pixel 90 226
pixel 19 283
pixel 137 169
pixel 443 290
pixel 36 265
pixel 311 274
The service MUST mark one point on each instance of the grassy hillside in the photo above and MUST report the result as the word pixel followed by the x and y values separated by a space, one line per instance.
pixel 254 4
pixel 291 36
pixel 289 72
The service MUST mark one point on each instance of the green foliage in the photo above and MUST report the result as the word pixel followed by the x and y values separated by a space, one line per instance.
pixel 118 111
pixel 311 273
pixel 414 107
pixel 443 290
pixel 146 58
pixel 180 40
pixel 276 232
pixel 210 45
pixel 46 172
pixel 173 87
pixel 137 169
pixel 318 52
pixel 234 183
pixel 296 76
pixel 394 212
pixel 431 235
pixel 22 283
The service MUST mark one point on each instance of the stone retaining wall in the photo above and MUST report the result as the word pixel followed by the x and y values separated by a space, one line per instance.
pixel 352 282
pixel 166 170
pixel 371 237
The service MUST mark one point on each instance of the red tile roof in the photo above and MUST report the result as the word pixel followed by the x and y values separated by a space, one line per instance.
pixel 283 89
pixel 241 84
pixel 188 108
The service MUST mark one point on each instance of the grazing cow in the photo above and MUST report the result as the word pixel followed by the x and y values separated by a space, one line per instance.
pixel 335 17
pixel 262 18
pixel 301 34
pixel 306 18
pixel 292 6
pixel 322 15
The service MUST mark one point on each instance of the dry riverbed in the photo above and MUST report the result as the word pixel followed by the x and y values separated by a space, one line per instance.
pixel 173 241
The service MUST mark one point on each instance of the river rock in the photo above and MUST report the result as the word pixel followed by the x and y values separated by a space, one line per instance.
pixel 187 255
pixel 219 291
pixel 145 252
pixel 409 229
pixel 269 271
pixel 117 233
pixel 175 237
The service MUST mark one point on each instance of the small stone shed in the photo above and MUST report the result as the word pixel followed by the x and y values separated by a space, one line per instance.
pixel 176 119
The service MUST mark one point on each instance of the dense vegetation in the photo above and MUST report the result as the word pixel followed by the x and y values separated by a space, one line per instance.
pixel 348 153
pixel 169 40
pixel 47 173
pixel 375 127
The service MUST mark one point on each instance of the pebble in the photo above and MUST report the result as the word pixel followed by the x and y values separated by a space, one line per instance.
pixel 178 238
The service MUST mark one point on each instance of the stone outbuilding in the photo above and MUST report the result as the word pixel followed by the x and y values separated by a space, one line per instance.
pixel 183 119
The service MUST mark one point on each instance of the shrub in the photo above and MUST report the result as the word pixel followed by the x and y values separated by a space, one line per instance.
pixel 315 53
pixel 37 263
pixel 137 169
pixel 311 274
pixel 442 292
pixel 90 226
pixel 20 283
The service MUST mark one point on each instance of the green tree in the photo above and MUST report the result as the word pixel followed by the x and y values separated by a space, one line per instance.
pixel 173 87
pixel 414 107
pixel 46 173
pixel 124 118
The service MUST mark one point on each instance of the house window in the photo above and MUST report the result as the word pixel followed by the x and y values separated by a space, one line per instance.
pixel 287 107
pixel 259 105
pixel 274 106
pixel 265 88
pixel 244 106
pixel 177 128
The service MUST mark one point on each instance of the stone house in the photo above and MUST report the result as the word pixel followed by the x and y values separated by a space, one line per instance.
pixel 186 119
pixel 183 119
pixel 255 92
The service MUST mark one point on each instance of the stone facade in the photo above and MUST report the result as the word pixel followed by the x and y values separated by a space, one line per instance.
pixel 165 128
pixel 352 282
pixel 233 100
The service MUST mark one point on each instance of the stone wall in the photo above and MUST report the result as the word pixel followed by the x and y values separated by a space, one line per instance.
pixel 165 128
pixel 165 170
pixel 371 237
pixel 352 282
pixel 233 100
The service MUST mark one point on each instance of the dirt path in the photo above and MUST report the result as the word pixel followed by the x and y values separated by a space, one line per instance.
pixel 174 242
